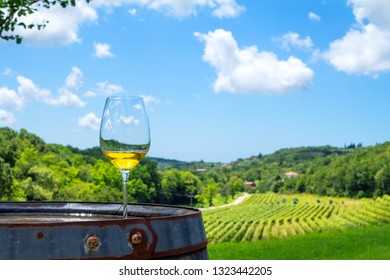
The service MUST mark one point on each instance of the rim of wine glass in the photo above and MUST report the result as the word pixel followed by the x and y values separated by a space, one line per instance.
pixel 129 97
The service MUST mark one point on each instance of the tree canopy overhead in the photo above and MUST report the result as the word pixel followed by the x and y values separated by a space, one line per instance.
pixel 13 12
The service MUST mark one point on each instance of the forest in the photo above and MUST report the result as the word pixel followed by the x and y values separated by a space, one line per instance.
pixel 32 170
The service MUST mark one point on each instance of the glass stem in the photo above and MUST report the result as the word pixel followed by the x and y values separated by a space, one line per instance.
pixel 125 176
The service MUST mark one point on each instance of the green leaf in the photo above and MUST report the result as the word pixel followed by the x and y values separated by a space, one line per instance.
pixel 22 24
pixel 64 4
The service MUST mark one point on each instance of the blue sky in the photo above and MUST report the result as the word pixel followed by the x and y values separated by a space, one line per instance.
pixel 222 79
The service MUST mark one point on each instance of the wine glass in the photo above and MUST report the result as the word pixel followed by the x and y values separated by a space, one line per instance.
pixel 124 135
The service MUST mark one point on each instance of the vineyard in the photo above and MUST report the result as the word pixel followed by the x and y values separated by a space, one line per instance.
pixel 265 216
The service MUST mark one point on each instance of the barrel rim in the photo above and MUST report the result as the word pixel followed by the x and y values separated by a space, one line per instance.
pixel 70 208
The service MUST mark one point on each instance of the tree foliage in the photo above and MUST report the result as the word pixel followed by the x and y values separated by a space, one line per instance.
pixel 13 12
pixel 33 170
pixel 351 172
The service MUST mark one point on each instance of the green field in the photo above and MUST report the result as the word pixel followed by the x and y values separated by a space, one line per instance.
pixel 275 226
pixel 367 243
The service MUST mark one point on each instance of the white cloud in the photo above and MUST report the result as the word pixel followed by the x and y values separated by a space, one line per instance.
pixel 175 8
pixel 132 12
pixel 131 120
pixel 220 8
pixel 63 24
pixel 179 8
pixel 90 93
pixel 150 101
pixel 108 125
pixel 28 89
pixel 65 98
pixel 7 118
pixel 314 17
pixel 102 50
pixel 365 48
pixel 8 72
pixel 89 121
pixel 227 8
pixel 62 27
pixel 109 89
pixel 376 11
pixel 74 79
pixel 10 98
pixel 292 39
pixel 248 70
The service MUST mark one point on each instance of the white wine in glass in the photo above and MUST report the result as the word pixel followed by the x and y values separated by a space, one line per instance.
pixel 124 135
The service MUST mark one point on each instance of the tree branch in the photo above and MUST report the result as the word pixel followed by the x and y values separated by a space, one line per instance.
pixel 12 10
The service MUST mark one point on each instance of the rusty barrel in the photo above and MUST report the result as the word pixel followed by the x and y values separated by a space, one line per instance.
pixel 69 230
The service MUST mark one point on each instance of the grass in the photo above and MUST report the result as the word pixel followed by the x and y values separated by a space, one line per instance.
pixel 364 243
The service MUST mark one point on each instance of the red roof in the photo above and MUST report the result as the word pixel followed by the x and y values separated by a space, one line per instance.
pixel 291 174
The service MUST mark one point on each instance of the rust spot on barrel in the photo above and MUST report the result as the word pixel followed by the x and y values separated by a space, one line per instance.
pixel 92 242
pixel 136 238
pixel 40 235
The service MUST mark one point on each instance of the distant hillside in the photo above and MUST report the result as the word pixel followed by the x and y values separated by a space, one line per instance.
pixel 162 163
pixel 165 164
pixel 301 154
pixel 32 170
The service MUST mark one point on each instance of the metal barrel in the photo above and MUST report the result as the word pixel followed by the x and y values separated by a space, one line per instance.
pixel 69 230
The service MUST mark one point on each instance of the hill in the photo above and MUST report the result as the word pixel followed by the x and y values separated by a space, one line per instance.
pixel 162 163
pixel 31 169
